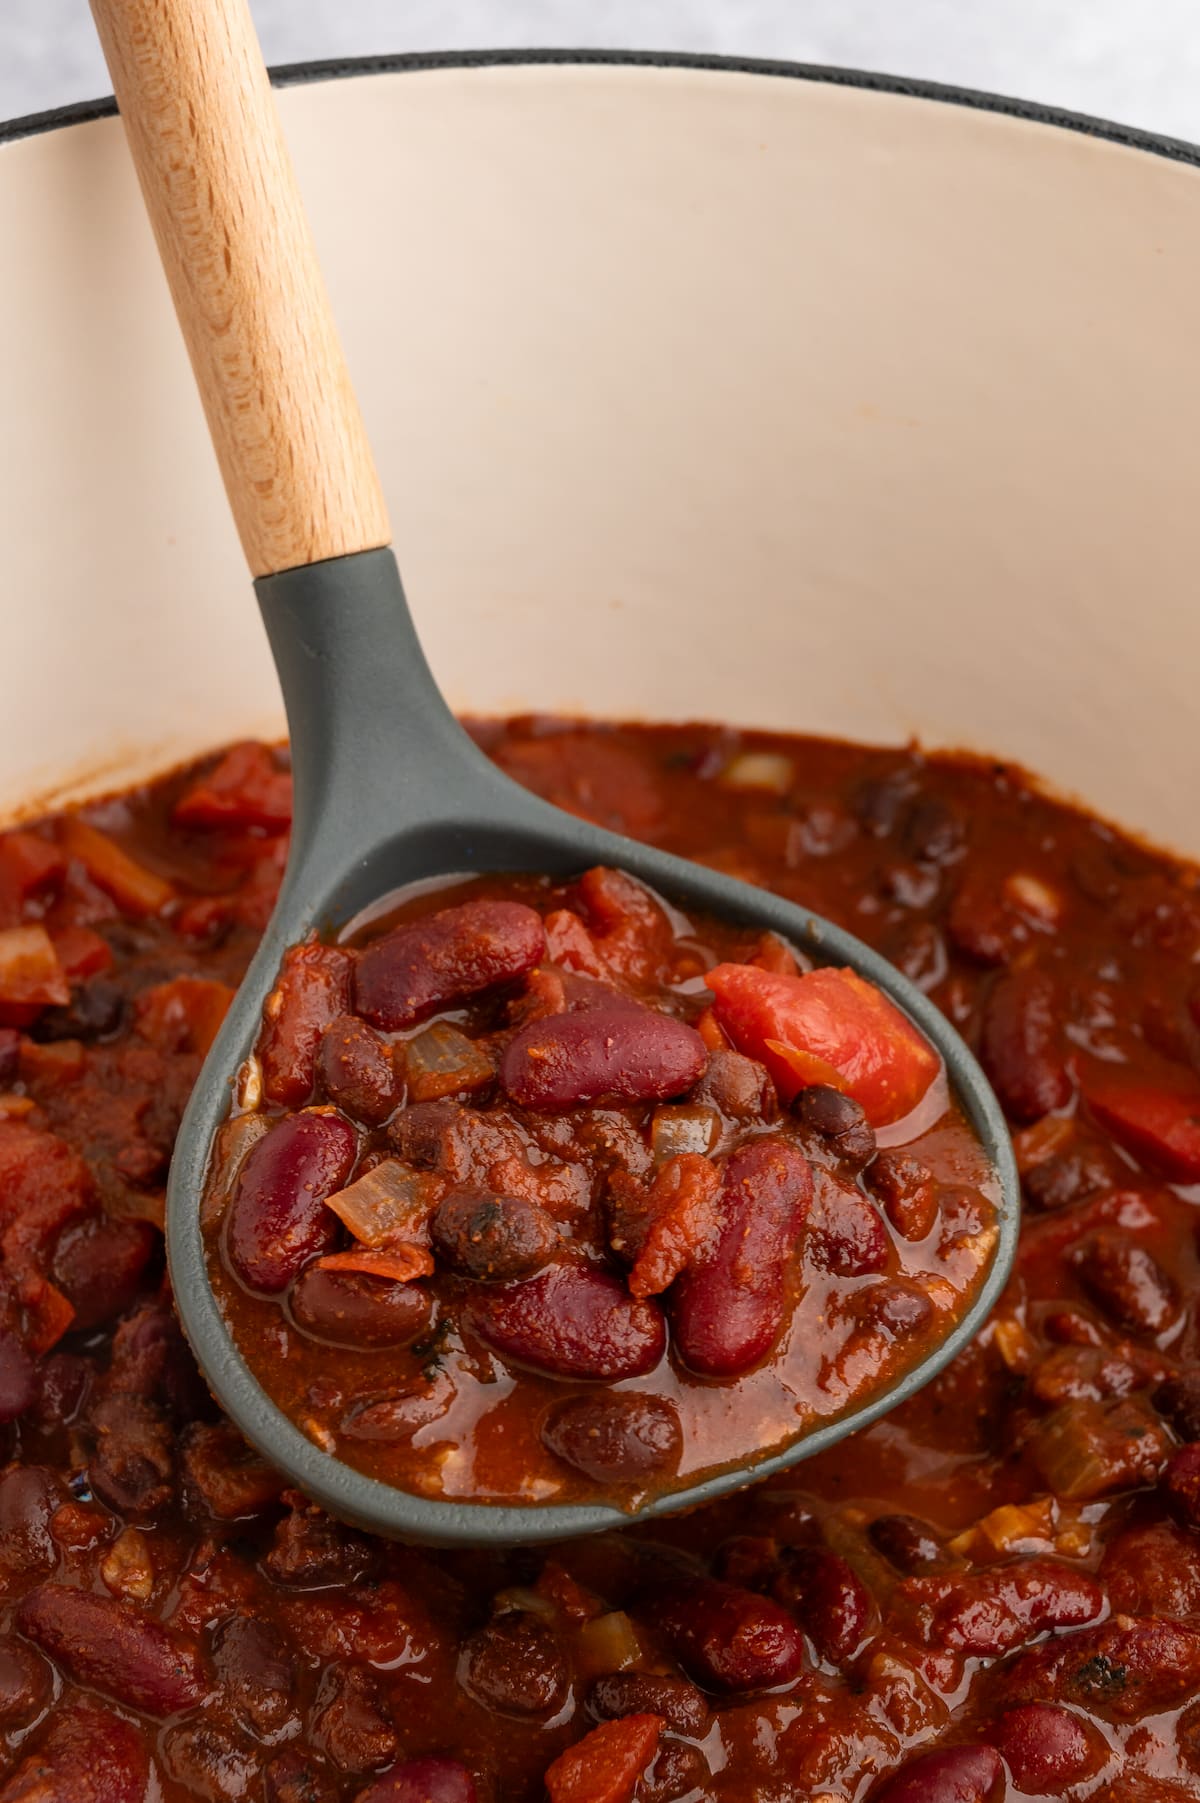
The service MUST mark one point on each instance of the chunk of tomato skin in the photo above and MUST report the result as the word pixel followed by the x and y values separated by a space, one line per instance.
pixel 245 788
pixel 1158 1123
pixel 605 1766
pixel 827 1026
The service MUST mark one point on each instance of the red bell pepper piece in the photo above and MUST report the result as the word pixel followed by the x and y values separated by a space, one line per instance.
pixel 1158 1122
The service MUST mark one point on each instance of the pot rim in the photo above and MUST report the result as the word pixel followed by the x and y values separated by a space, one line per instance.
pixel 341 68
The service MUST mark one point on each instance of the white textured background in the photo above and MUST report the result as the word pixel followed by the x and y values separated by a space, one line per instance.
pixel 1136 61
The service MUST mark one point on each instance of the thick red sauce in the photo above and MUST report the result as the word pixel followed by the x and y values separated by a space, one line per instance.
pixel 993 1593
pixel 540 1232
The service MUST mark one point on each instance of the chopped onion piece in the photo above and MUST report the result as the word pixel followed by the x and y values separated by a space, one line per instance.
pixel 759 770
pixel 608 1644
pixel 441 1061
pixel 683 1127
pixel 388 1205
pixel 1036 899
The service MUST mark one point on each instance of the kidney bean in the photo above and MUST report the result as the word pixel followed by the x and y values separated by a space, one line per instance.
pixel 728 1308
pixel 729 1639
pixel 828 1599
pixel 897 1306
pixel 29 1495
pixel 256 1672
pixel 26 1683
pixel 1181 1486
pixel 312 1550
pixel 133 1466
pixel 428 1780
pixel 846 1235
pixel 349 1308
pixel 839 1119
pixel 1126 1281
pixel 1021 1045
pixel 18 1376
pixel 1153 1568
pixel 739 1087
pixel 226 1473
pixel 616 1439
pixel 99 1265
pixel 355 1070
pixel 278 1221
pixel 1122 1669
pixel 905 1187
pixel 601 1054
pixel 115 1648
pixel 993 1611
pixel 953 1775
pixel 1178 1398
pixel 1047 1748
pixel 347 1722
pixel 678 1770
pixel 492 1238
pixel 434 963
pixel 515 1666
pixel 910 1545
pixel 312 989
pixel 678 1703
pixel 1071 1176
pixel 572 1320
pixel 294 1776
pixel 85 1756
pixel 208 1763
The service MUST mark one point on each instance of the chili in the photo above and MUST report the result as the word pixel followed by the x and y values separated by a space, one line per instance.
pixel 994 1592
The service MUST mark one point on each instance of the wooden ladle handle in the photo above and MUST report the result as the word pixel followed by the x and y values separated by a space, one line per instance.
pixel 235 243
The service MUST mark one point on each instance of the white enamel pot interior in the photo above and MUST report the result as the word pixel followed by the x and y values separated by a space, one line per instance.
pixel 758 395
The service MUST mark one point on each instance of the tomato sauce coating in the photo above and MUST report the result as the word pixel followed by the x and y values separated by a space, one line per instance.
pixel 993 1593
pixel 546 1108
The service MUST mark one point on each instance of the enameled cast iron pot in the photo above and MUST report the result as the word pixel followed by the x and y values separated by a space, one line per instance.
pixel 760 394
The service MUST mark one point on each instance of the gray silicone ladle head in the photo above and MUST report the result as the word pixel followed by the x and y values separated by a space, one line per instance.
pixel 388 788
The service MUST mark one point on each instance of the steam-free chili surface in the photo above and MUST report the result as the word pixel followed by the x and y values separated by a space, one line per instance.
pixel 995 1592
pixel 541 1191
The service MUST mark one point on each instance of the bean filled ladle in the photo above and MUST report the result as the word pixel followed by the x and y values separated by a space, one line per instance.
pixel 388 787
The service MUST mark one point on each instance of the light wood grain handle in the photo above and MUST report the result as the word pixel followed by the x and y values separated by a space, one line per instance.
pixel 234 241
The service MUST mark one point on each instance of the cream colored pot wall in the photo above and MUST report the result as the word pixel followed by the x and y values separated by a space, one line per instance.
pixel 695 393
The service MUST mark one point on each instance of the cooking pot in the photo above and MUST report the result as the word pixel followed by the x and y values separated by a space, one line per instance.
pixel 700 389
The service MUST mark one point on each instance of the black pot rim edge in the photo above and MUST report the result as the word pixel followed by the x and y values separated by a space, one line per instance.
pixel 1032 112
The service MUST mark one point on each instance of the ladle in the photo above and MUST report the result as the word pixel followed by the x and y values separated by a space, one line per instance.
pixel 388 787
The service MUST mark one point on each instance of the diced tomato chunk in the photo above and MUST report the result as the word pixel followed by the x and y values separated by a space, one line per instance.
pixel 184 1014
pixel 30 973
pixel 826 1026
pixel 1158 1123
pixel 49 1314
pixel 244 789
pixel 28 863
pixel 135 889
pixel 81 952
pixel 605 1765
